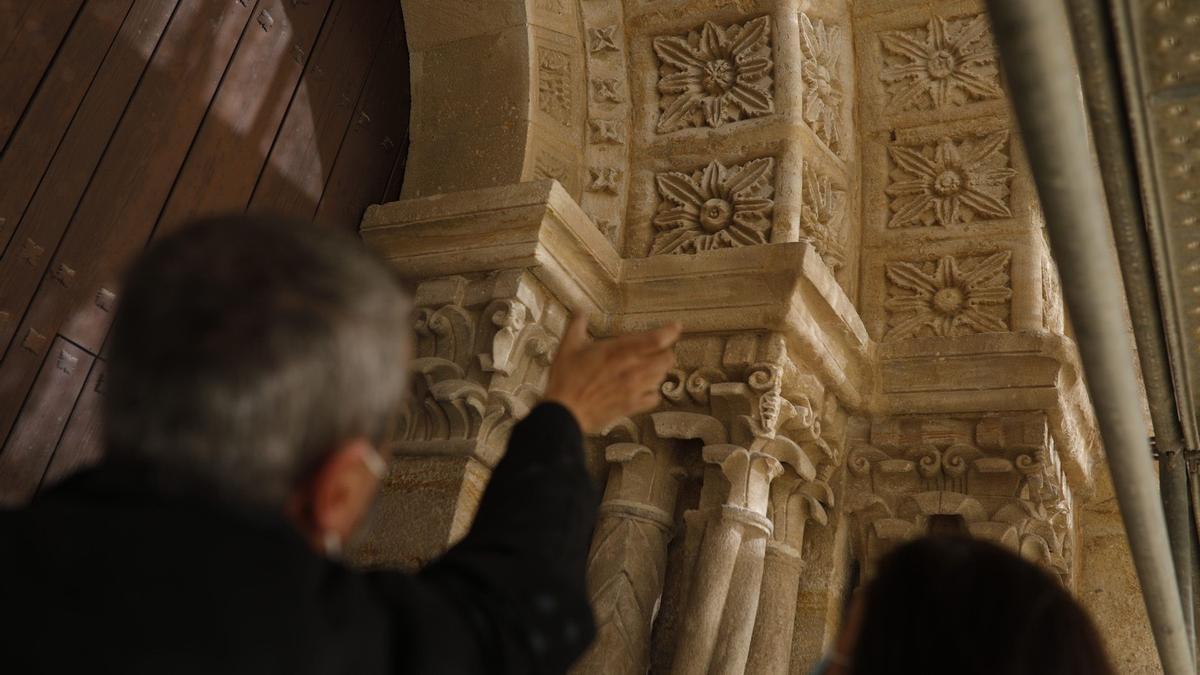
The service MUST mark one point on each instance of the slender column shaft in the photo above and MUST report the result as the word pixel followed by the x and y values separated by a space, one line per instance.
pixel 628 560
pixel 741 608
pixel 710 588
pixel 771 650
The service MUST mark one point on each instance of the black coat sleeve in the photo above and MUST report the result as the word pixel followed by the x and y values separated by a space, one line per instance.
pixel 511 597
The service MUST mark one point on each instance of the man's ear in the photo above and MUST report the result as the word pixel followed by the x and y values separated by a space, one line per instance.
pixel 341 492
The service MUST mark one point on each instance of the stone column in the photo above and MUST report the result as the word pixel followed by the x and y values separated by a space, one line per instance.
pixel 627 563
pixel 741 605
pixel 792 505
pixel 742 516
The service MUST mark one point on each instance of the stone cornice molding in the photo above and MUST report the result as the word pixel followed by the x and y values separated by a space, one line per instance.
pixel 995 372
pixel 785 288
pixel 778 287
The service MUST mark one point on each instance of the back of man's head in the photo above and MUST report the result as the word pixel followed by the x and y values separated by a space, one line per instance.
pixel 246 348
pixel 987 610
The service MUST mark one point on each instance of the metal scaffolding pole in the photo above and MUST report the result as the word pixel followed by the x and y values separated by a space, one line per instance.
pixel 1090 23
pixel 1040 67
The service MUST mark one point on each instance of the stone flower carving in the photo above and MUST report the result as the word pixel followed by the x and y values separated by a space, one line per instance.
pixel 950 62
pixel 948 297
pixel 602 39
pixel 554 84
pixel 822 217
pixel 822 47
pixel 605 179
pixel 950 182
pixel 714 207
pixel 715 76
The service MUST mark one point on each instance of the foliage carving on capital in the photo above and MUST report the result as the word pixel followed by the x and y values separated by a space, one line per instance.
pixel 794 503
pixel 480 364
pixel 1000 474
pixel 751 397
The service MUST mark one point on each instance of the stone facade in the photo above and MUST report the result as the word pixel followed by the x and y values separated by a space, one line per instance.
pixel 831 196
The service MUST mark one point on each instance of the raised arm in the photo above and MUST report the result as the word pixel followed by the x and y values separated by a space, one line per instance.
pixel 514 587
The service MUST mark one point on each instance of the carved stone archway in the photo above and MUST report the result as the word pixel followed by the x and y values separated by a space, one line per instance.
pixel 831 196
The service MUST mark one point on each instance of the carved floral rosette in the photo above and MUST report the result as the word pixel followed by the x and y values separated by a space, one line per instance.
pixel 715 75
pixel 945 62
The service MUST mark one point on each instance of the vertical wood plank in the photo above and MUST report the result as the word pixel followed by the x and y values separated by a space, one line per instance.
pixel 28 155
pixel 377 136
pixel 119 131
pixel 319 115
pixel 131 183
pixel 45 220
pixel 24 457
pixel 238 131
pixel 12 12
pixel 82 443
pixel 43 28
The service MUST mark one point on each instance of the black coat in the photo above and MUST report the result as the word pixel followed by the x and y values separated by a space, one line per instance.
pixel 112 572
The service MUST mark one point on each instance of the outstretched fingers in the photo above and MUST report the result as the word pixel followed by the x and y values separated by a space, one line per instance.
pixel 605 380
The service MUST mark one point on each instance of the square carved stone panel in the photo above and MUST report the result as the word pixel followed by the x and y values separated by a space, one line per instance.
pixel 950 181
pixel 949 296
pixel 822 47
pixel 946 62
pixel 715 75
pixel 714 207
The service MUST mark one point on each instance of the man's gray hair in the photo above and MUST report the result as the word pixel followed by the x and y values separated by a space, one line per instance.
pixel 245 348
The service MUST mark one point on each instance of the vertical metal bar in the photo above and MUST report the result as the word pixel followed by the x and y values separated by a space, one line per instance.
pixel 1090 25
pixel 1040 66
pixel 1194 485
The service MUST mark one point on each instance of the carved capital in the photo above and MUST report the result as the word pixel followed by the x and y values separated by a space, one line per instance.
pixel 796 501
pixel 999 473
pixel 749 475
pixel 483 348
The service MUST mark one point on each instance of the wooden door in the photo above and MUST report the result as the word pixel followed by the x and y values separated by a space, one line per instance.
pixel 122 119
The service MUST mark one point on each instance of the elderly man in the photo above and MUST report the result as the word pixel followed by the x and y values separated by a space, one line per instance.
pixel 254 369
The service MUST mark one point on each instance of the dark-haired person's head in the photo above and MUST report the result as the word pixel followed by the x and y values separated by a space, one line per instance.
pixel 263 359
pixel 953 604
